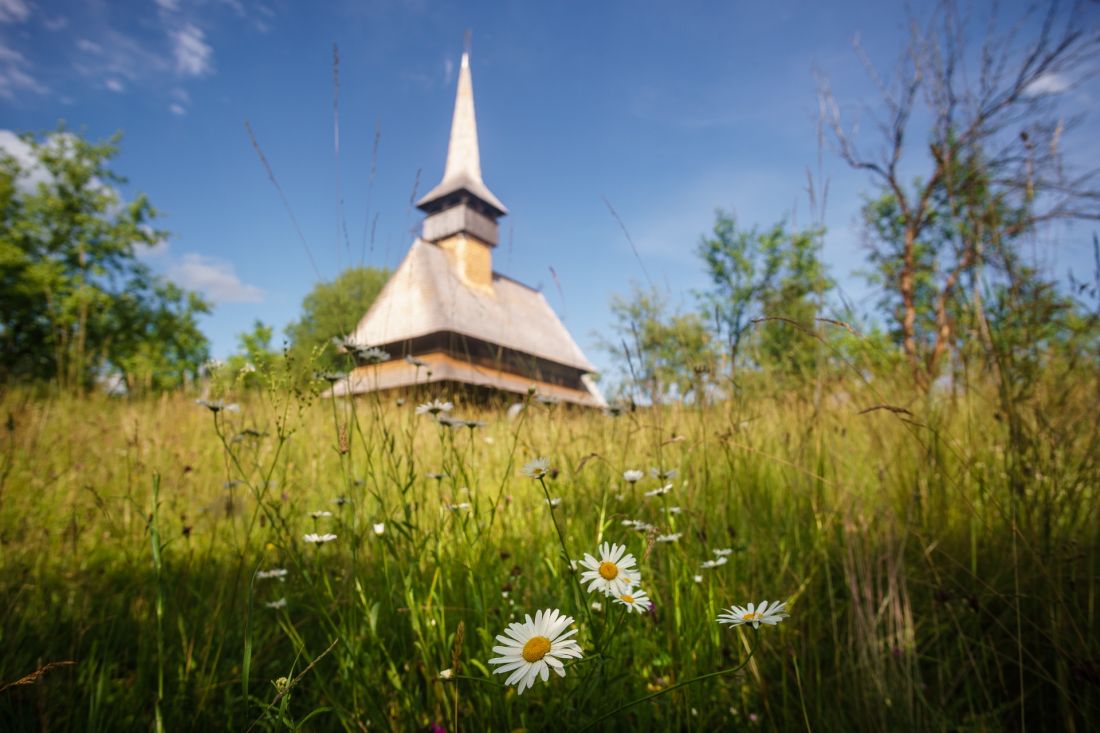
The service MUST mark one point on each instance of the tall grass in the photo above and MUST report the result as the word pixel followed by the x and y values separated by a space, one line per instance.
pixel 936 580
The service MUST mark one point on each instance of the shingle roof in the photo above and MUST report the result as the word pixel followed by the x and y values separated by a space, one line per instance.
pixel 426 295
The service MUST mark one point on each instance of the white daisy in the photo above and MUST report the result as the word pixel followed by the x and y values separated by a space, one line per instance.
pixel 714 563
pixel 633 476
pixel 555 501
pixel 661 491
pixel 379 528
pixel 434 407
pixel 373 355
pixel 319 539
pixel 461 506
pixel 415 362
pixel 763 614
pixel 319 514
pixel 723 552
pixel 663 474
pixel 636 600
pixel 446 674
pixel 281 603
pixel 674 537
pixel 637 525
pixel 674 510
pixel 613 574
pixel 538 468
pixel 532 648
pixel 279 573
pixel 697 578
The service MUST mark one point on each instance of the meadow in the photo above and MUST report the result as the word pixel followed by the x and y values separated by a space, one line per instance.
pixel 938 559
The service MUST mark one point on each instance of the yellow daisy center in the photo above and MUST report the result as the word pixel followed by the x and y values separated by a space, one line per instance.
pixel 535 649
pixel 752 616
pixel 608 570
pixel 627 598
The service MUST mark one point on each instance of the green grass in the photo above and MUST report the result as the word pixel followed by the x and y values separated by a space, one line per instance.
pixel 939 575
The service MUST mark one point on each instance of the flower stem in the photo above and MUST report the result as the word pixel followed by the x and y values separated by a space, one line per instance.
pixel 678 685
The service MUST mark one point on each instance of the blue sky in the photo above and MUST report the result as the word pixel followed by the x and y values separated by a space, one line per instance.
pixel 666 110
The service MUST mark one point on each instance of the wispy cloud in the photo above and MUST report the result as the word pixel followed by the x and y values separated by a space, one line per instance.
pixel 194 57
pixel 213 277
pixel 1048 84
pixel 114 85
pixel 15 74
pixel 14 11
pixel 177 109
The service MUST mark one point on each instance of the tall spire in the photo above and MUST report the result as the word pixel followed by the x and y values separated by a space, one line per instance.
pixel 463 169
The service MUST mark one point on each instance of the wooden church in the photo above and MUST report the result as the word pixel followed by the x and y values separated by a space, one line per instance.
pixel 446 319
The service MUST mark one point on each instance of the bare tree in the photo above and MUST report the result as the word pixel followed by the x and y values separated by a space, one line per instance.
pixel 995 167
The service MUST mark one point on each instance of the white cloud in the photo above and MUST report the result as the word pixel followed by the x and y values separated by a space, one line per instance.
pixel 114 85
pixel 89 46
pixel 177 109
pixel 193 56
pixel 214 278
pixel 15 74
pixel 169 5
pixel 1048 84
pixel 13 11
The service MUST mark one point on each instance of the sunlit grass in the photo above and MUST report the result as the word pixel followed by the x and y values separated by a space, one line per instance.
pixel 926 589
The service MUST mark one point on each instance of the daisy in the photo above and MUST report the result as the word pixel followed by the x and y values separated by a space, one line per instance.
pixel 614 573
pixel 663 474
pixel 332 377
pixel 340 500
pixel 279 573
pixel 319 514
pixel 763 614
pixel 373 355
pixel 281 603
pixel 415 362
pixel 697 578
pixel 674 510
pixel 379 528
pixel 319 539
pixel 635 600
pixel 661 491
pixel 674 537
pixel 532 648
pixel 714 563
pixel 461 506
pixel 446 674
pixel 633 476
pixel 538 468
pixel 434 407
pixel 556 501
pixel 723 552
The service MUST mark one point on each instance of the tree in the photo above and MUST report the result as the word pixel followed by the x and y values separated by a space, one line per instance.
pixel 75 302
pixel 331 310
pixel 665 353
pixel 994 169
pixel 774 273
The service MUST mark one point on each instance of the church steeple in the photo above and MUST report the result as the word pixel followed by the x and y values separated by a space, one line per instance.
pixel 462 203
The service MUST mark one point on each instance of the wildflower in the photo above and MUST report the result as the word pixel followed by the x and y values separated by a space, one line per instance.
pixel 341 500
pixel 663 474
pixel 674 537
pixel 436 476
pixel 697 578
pixel 723 552
pixel 614 410
pixel 532 648
pixel 633 476
pixel 412 360
pixel 379 528
pixel 319 539
pixel 637 524
pixel 279 573
pixel 434 407
pixel 714 563
pixel 446 674
pixel 459 507
pixel 281 683
pixel 614 573
pixel 597 606
pixel 372 355
pixel 471 424
pixel 332 377
pixel 555 501
pixel 281 603
pixel 661 491
pixel 674 510
pixel 319 514
pixel 755 615
pixel 636 601
pixel 218 406
pixel 538 468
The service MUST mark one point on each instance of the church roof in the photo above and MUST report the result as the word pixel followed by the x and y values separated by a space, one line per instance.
pixel 463 169
pixel 426 295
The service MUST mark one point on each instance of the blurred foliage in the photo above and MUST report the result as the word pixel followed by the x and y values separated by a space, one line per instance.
pixel 76 304
pixel 331 311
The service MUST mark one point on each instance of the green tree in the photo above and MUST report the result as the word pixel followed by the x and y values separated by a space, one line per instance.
pixel 75 302
pixel 776 274
pixel 332 310
pixel 665 353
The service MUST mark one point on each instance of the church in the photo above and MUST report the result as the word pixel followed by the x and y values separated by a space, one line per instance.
pixel 449 322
